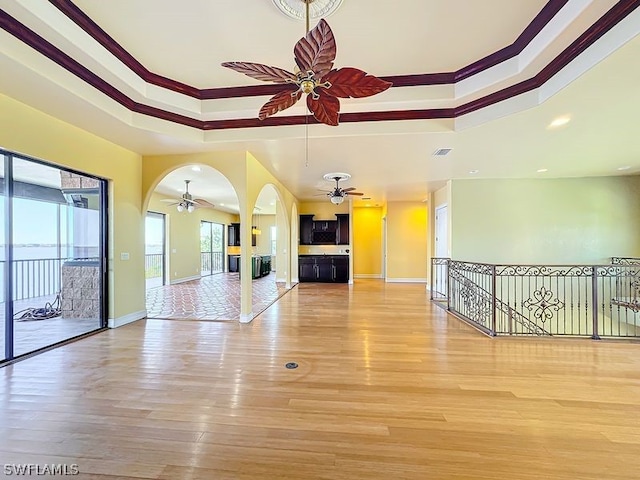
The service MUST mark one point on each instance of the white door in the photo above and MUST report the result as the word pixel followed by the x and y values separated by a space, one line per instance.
pixel 442 237
pixel 442 249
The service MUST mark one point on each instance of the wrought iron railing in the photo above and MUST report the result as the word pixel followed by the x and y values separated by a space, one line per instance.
pixel 575 300
pixel 211 262
pixel 153 265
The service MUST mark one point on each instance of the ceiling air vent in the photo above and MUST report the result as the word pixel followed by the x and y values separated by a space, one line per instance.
pixel 441 152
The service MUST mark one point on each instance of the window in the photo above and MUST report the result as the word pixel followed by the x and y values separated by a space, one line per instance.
pixel 274 236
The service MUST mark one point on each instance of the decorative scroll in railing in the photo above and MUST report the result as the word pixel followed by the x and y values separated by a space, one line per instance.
pixel 210 263
pixel 576 300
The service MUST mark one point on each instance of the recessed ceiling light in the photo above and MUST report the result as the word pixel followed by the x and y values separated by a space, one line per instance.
pixel 221 204
pixel 560 121
pixel 195 168
pixel 272 203
pixel 473 172
pixel 626 167
pixel 542 170
pixel 368 205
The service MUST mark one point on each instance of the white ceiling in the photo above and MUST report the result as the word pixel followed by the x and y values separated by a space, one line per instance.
pixel 388 160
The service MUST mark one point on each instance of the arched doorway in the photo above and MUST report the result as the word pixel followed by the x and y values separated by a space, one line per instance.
pixel 199 209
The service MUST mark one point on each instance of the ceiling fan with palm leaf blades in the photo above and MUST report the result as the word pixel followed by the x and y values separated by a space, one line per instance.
pixel 187 202
pixel 338 194
pixel 315 76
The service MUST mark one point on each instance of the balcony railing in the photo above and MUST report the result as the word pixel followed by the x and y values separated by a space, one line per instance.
pixel 210 263
pixel 36 277
pixel 575 300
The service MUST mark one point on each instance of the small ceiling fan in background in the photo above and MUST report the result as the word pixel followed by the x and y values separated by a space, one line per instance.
pixel 187 202
pixel 337 195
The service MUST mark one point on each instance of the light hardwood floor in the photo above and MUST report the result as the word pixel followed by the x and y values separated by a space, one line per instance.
pixel 388 387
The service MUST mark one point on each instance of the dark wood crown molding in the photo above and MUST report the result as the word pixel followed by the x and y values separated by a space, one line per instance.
pixel 75 14
pixel 616 14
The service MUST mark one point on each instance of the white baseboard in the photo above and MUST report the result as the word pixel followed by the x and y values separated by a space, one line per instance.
pixel 246 317
pixel 367 275
pixel 183 280
pixel 406 280
pixel 128 318
pixel 295 280
pixel 281 280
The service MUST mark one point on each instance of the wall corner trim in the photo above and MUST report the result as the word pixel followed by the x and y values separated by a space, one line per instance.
pixel 125 319
pixel 246 317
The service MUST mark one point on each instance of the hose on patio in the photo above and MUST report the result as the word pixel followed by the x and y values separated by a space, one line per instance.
pixel 50 310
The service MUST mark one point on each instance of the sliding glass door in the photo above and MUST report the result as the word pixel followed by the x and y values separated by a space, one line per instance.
pixel 53 255
pixel 211 248
pixel 154 250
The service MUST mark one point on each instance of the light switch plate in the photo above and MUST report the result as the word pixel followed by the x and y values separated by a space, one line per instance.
pixel 124 256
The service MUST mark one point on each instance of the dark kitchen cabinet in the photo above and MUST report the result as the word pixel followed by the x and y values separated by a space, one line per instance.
pixel 342 229
pixel 233 236
pixel 323 268
pixel 307 269
pixel 340 269
pixel 306 229
pixel 324 232
pixel 233 263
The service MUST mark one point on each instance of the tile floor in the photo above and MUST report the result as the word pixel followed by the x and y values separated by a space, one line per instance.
pixel 216 297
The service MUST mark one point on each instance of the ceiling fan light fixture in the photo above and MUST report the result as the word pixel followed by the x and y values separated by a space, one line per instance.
pixel 190 208
pixel 180 208
pixel 337 200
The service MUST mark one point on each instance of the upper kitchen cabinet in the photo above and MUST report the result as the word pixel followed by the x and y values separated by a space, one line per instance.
pixel 342 229
pixel 306 229
pixel 324 232
pixel 233 236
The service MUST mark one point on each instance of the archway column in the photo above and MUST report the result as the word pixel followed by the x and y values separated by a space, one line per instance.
pixel 246 252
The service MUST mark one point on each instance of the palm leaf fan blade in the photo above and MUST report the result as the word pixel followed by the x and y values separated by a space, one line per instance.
pixel 316 51
pixel 349 82
pixel 325 109
pixel 280 101
pixel 262 72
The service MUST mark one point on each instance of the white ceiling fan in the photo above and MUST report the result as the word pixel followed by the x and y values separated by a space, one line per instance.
pixel 187 202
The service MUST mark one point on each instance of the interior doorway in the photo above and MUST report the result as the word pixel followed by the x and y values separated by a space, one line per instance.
pixel 442 233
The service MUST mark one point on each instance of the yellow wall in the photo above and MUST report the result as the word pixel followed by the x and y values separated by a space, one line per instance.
pixel 183 236
pixel 33 133
pixel 555 221
pixel 263 241
pixel 406 241
pixel 367 242
pixel 324 210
